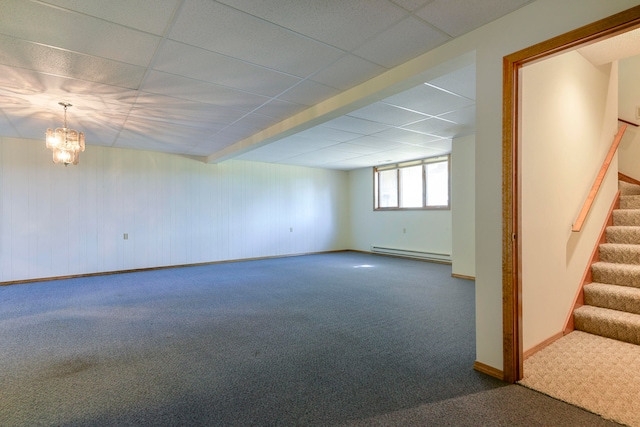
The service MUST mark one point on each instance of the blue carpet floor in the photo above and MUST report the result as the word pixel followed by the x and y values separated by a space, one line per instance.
pixel 311 340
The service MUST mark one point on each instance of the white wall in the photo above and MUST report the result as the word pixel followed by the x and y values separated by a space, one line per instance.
pixel 426 230
pixel 57 221
pixel 463 208
pixel 569 119
pixel 628 103
pixel 531 24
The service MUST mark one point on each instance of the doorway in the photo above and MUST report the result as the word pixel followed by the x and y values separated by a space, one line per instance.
pixel 512 245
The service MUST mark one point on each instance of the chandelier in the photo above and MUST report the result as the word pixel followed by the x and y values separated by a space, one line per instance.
pixel 65 143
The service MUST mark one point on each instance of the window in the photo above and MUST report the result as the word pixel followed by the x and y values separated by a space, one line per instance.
pixel 420 184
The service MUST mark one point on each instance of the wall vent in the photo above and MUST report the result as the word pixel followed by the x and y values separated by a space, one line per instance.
pixel 431 256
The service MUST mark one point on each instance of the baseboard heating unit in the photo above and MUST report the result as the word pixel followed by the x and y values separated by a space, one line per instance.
pixel 430 256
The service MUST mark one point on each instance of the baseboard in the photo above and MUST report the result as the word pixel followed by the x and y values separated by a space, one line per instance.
pixel 462 276
pixel 489 370
pixel 543 344
pixel 164 267
pixel 135 270
pixel 434 261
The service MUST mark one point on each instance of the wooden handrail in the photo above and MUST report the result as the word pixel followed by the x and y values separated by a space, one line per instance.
pixel 628 122
pixel 577 226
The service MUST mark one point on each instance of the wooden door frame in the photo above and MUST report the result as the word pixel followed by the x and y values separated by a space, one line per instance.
pixel 511 244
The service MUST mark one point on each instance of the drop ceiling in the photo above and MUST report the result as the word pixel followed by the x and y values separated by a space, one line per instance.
pixel 202 77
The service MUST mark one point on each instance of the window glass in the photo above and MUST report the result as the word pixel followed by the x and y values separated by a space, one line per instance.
pixel 437 177
pixel 417 184
pixel 388 194
pixel 411 187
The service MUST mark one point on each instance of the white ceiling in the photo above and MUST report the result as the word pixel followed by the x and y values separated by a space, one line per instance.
pixel 195 77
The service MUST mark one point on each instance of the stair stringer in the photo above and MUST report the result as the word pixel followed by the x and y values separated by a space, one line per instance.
pixel 578 300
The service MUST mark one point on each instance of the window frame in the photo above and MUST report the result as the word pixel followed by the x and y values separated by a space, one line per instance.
pixel 397 167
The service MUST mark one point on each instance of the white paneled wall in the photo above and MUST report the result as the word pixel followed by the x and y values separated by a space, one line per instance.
pixel 58 221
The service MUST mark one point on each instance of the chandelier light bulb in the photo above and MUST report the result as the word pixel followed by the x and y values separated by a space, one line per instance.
pixel 66 144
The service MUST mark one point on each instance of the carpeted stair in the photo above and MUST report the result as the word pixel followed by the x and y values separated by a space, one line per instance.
pixel 612 302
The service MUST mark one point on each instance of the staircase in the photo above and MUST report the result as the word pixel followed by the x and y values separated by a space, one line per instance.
pixel 612 302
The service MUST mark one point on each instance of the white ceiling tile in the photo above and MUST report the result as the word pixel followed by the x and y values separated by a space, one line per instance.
pixel 406 136
pixel 301 144
pixel 435 126
pixel 235 132
pixel 461 82
pixel 285 148
pixel 456 17
pixel 347 72
pixel 443 145
pixel 388 114
pixel 350 164
pixel 270 156
pixel 137 141
pixel 30 56
pixel 357 21
pixel 195 90
pixel 212 144
pixel 170 132
pixel 356 148
pixel 322 156
pixel 171 128
pixel 411 5
pixel 32 125
pixel 78 33
pixel 354 124
pixel 464 116
pixel 429 100
pixel 6 128
pixel 202 150
pixel 329 134
pixel 255 122
pixel 243 36
pixel 152 16
pixel 381 158
pixel 381 144
pixel 99 134
pixel 402 42
pixel 279 109
pixel 409 152
pixel 308 93
pixel 43 92
pixel 180 59
pixel 226 70
pixel 177 109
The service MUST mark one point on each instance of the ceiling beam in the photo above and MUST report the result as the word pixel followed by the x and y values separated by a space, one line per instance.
pixel 403 77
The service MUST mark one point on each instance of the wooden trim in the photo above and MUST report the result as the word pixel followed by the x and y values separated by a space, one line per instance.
pixel 165 267
pixel 627 178
pixel 578 300
pixel 511 247
pixel 462 276
pixel 628 122
pixel 582 216
pixel 489 370
pixel 511 304
pixel 536 348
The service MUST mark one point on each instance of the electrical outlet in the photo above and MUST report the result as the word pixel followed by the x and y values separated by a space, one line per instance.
pixel 637 112
pixel 404 230
pixel 126 236
pixel 291 229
